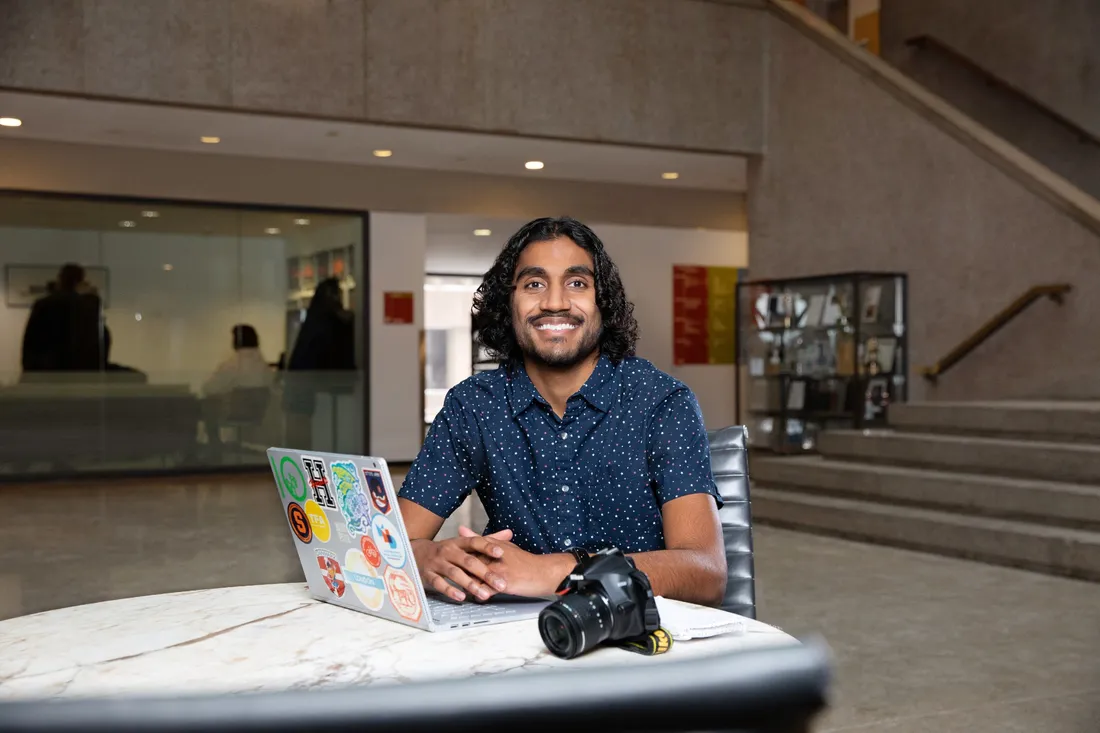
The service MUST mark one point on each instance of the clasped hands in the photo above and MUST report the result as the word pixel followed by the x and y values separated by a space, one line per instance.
pixel 482 566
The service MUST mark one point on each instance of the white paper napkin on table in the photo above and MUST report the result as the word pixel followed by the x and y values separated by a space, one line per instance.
pixel 685 621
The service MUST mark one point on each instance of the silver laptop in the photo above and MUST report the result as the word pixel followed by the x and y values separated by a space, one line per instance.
pixel 352 543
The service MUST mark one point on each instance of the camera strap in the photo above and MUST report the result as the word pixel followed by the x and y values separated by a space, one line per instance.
pixel 653 643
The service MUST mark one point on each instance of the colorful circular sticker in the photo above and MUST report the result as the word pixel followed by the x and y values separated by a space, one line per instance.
pixel 350 498
pixel 370 551
pixel 368 587
pixel 403 594
pixel 376 487
pixel 331 573
pixel 293 479
pixel 389 540
pixel 299 522
pixel 322 530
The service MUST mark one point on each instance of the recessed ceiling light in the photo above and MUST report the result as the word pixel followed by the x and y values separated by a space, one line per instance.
pixel 482 232
pixel 148 214
pixel 127 224
pixel 383 153
pixel 137 316
pixel 210 139
pixel 302 222
pixel 533 165
pixel 670 176
pixel 272 230
pixel 167 268
pixel 10 122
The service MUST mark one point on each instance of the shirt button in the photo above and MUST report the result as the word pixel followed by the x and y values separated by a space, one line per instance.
pixel 564 436
pixel 568 543
pixel 565 488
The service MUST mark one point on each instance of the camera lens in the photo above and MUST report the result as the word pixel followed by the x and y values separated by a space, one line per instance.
pixel 574 624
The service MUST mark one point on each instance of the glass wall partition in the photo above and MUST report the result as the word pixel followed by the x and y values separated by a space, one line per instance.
pixel 141 336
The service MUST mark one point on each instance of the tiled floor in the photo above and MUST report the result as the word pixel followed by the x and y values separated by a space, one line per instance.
pixel 922 643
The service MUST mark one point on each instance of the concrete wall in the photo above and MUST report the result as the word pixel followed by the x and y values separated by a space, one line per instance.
pixel 675 73
pixel 1048 49
pixel 863 174
pixel 1047 53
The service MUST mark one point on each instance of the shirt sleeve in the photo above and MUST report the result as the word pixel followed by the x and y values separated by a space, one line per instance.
pixel 678 449
pixel 450 464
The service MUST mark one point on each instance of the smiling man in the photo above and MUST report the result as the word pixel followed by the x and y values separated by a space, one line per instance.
pixel 573 445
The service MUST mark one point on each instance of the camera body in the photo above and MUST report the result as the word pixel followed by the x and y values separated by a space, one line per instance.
pixel 604 598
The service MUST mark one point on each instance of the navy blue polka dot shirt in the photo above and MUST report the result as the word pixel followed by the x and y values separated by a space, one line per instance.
pixel 631 439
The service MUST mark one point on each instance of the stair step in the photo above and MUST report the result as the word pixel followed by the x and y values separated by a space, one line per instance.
pixel 1043 501
pixel 1055 550
pixel 1043 420
pixel 1069 462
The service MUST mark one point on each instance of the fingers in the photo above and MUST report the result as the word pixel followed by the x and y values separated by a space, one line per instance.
pixel 477 543
pixel 437 581
pixel 474 566
pixel 464 570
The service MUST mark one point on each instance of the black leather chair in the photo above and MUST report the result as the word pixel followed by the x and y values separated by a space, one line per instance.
pixel 729 459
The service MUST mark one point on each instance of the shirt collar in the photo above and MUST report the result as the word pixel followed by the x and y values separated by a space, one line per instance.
pixel 598 390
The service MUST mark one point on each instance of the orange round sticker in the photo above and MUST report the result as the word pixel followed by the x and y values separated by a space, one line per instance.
pixel 318 521
pixel 370 551
pixel 299 522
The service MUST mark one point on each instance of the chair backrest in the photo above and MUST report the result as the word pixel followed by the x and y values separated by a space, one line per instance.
pixel 247 405
pixel 729 460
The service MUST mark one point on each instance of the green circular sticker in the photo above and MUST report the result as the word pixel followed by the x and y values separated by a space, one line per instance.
pixel 293 483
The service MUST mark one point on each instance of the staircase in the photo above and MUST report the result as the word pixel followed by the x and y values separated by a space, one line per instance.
pixel 1010 483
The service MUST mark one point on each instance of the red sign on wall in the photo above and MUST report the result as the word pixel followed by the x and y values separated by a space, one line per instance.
pixel 398 307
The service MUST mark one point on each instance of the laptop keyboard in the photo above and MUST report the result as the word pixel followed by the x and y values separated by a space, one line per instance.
pixel 451 613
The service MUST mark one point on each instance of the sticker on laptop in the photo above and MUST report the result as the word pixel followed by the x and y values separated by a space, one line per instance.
pixel 331 573
pixel 318 482
pixel 291 479
pixel 342 534
pixel 376 487
pixel 403 594
pixel 370 551
pixel 389 540
pixel 365 582
pixel 322 530
pixel 350 499
pixel 299 522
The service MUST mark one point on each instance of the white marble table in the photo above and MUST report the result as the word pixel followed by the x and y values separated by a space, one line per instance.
pixel 274 637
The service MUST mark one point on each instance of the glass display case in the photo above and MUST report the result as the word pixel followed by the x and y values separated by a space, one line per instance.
pixel 820 352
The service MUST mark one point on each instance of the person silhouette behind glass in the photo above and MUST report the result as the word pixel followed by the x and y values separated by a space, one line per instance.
pixel 326 343
pixel 63 329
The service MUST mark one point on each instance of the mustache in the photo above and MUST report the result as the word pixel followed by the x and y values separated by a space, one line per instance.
pixel 534 320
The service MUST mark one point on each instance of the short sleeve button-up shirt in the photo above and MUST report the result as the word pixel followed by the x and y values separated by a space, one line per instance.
pixel 631 439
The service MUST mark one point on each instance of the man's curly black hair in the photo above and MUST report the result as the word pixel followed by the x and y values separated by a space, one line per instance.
pixel 492 309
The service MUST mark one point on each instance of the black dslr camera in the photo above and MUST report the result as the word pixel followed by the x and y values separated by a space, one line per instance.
pixel 606 599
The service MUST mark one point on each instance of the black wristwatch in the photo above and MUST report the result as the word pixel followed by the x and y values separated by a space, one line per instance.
pixel 579 554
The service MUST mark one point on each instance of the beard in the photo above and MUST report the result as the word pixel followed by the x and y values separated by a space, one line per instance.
pixel 559 355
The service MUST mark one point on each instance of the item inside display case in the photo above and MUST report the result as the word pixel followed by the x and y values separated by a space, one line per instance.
pixel 819 353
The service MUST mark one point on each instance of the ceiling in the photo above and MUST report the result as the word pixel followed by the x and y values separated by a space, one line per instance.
pixel 454 249
pixel 163 127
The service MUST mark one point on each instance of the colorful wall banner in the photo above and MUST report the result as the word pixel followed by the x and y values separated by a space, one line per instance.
pixel 704 314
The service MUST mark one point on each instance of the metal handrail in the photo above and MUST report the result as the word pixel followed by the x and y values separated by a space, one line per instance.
pixel 994 324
